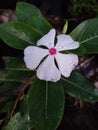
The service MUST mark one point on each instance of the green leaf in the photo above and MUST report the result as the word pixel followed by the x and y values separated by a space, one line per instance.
pixel 14 63
pixel 45 102
pixel 79 87
pixel 8 101
pixel 87 34
pixel 24 11
pixel 15 74
pixel 79 51
pixel 18 122
pixel 10 79
pixel 40 24
pixel 31 15
pixel 18 35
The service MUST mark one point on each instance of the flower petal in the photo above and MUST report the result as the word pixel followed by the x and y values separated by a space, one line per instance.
pixel 33 56
pixel 65 42
pixel 48 39
pixel 48 71
pixel 66 63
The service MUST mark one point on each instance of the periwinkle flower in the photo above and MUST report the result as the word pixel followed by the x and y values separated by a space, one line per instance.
pixel 49 62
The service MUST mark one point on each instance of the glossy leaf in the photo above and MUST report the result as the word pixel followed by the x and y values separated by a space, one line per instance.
pixel 15 74
pixel 79 51
pixel 45 104
pixel 87 35
pixel 24 11
pixel 80 88
pixel 10 79
pixel 18 122
pixel 31 15
pixel 14 63
pixel 18 35
pixel 40 24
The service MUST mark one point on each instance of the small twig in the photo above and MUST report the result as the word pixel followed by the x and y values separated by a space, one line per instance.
pixel 27 83
pixel 84 63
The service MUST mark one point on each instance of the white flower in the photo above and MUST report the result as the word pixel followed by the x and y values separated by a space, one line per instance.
pixel 49 62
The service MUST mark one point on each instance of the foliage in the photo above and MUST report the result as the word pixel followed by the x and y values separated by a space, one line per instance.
pixel 78 8
pixel 34 103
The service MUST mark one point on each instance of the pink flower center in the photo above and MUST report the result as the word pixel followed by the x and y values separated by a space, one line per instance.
pixel 52 51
